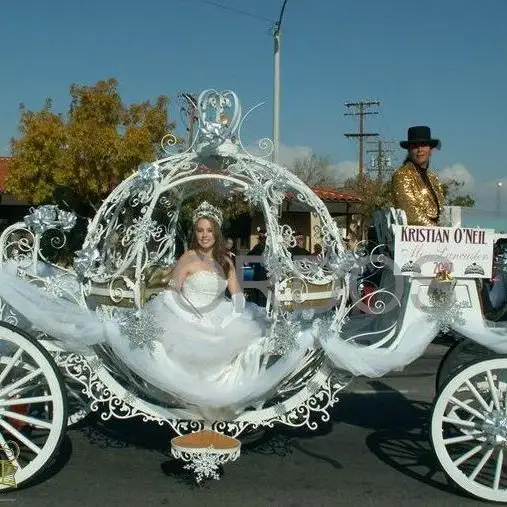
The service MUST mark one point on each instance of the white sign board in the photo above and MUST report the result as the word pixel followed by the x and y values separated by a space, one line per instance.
pixel 424 251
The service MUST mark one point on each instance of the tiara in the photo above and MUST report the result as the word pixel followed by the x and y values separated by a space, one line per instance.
pixel 474 269
pixel 410 267
pixel 207 210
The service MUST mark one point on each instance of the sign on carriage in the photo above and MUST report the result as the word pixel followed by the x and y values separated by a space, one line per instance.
pixel 426 251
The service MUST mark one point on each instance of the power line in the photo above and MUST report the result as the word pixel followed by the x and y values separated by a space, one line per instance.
pixel 381 163
pixel 361 111
pixel 233 9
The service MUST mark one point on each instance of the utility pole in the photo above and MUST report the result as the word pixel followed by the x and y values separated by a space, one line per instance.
pixel 189 109
pixel 361 110
pixel 381 161
pixel 276 84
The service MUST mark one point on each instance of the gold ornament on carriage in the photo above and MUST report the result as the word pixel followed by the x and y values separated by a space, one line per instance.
pixel 441 288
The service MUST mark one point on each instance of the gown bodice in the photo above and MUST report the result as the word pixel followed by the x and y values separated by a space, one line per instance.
pixel 203 287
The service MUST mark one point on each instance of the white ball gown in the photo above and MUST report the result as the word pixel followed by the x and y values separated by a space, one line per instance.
pixel 198 347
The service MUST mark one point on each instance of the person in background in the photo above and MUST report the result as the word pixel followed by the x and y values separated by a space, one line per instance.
pixel 417 189
pixel 256 295
pixel 299 249
pixel 229 249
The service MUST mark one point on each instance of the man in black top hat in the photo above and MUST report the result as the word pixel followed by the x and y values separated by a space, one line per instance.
pixel 417 189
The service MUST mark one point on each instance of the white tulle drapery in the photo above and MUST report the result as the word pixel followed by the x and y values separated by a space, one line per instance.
pixel 215 364
pixel 218 363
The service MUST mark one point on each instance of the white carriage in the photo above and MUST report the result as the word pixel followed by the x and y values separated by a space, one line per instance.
pixel 127 258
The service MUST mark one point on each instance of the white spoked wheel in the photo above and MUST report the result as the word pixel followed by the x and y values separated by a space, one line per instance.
pixel 469 429
pixel 33 406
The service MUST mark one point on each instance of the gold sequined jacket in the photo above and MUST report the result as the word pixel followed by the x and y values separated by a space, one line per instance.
pixel 412 195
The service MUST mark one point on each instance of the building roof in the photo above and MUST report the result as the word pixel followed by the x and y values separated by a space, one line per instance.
pixel 326 193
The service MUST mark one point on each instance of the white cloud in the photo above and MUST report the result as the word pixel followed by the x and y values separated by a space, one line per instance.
pixel 459 173
pixel 289 154
pixel 344 170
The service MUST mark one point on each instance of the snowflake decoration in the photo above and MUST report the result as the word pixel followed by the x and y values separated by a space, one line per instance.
pixel 276 266
pixel 284 337
pixel 147 174
pixel 205 466
pixel 308 314
pixel 446 313
pixel 255 193
pixel 86 260
pixel 144 227
pixel 140 329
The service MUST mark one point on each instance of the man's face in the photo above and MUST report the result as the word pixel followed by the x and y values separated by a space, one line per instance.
pixel 420 153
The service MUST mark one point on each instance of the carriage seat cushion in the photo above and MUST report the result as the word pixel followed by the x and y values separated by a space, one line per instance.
pixel 315 296
pixel 117 292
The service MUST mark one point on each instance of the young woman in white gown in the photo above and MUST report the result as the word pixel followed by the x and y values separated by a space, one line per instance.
pixel 216 338
pixel 208 351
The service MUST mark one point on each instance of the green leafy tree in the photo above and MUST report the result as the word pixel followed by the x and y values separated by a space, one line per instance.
pixel 82 155
pixel 374 194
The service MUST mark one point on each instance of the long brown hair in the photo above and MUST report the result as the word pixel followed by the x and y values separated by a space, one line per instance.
pixel 218 251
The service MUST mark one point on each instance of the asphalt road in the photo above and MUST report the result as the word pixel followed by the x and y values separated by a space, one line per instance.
pixel 375 452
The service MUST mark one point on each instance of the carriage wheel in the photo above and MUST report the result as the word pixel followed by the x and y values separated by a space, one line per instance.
pixel 469 429
pixel 33 407
pixel 459 355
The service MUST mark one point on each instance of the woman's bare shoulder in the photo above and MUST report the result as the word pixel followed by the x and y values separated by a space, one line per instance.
pixel 189 254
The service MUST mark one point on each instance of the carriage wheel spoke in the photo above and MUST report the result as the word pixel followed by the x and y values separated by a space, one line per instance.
pixel 10 364
pixel 467 455
pixel 25 418
pixel 25 401
pixel 498 469
pixel 465 423
pixel 481 464
pixel 469 409
pixel 8 389
pixel 22 438
pixel 462 438
pixel 493 390
pixel 478 396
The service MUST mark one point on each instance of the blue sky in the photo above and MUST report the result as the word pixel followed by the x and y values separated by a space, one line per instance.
pixel 440 63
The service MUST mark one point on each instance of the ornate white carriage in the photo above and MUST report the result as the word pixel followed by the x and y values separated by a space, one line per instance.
pixel 126 258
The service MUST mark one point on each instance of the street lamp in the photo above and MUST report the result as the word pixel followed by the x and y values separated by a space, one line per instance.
pixel 276 84
pixel 499 186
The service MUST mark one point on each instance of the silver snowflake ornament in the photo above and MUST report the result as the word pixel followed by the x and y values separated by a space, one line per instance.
pixel 205 466
pixel 255 193
pixel 284 338
pixel 446 313
pixel 140 329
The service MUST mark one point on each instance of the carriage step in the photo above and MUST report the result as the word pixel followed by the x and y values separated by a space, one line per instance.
pixel 204 452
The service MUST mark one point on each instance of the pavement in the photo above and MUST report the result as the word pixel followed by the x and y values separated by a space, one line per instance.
pixel 374 452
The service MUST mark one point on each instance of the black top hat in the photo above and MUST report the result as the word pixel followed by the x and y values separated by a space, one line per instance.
pixel 419 134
